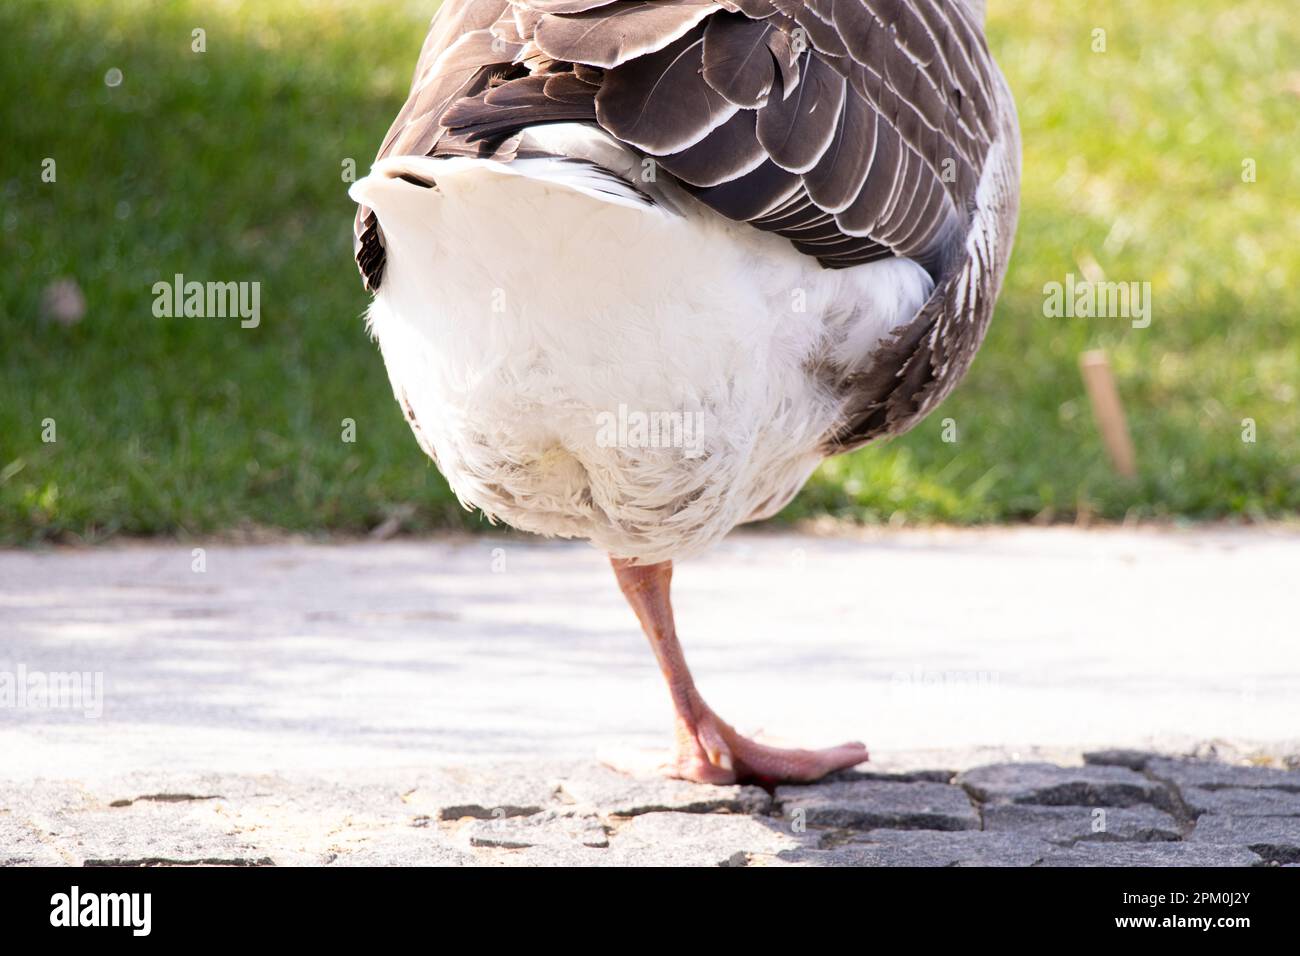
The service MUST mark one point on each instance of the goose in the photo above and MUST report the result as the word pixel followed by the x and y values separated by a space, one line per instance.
pixel 639 266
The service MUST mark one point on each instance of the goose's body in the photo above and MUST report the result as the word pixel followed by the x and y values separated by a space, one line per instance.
pixel 518 316
pixel 769 230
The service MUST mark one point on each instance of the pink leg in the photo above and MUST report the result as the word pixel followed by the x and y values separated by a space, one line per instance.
pixel 707 749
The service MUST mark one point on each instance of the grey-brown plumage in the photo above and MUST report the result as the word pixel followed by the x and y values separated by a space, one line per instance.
pixel 857 129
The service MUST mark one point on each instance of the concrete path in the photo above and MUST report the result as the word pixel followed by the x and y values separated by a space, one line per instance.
pixel 311 668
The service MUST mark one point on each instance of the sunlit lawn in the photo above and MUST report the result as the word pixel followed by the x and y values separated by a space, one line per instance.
pixel 228 165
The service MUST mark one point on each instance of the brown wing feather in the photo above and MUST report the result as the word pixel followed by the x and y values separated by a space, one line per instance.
pixel 834 182
pixel 619 32
pixel 500 111
pixel 659 103
pixel 725 154
pixel 737 60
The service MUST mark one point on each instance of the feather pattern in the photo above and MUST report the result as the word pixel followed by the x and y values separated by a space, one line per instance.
pixel 727 153
pixel 855 129
pixel 621 32
pixel 659 103
pixel 797 130
pixel 737 60
pixel 563 6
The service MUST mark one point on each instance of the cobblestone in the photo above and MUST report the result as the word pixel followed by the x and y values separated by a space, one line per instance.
pixel 1166 812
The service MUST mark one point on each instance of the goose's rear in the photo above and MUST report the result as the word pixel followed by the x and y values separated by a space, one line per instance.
pixel 639 265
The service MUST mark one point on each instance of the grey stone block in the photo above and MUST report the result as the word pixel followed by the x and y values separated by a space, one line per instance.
pixel 399 848
pixel 617 794
pixel 721 835
pixel 1151 854
pixel 1132 759
pixel 1239 801
pixel 151 834
pixel 926 848
pixel 1068 824
pixel 1047 784
pixel 1210 775
pixel 24 844
pixel 548 829
pixel 903 776
pixel 1273 838
pixel 871 804
pixel 484 791
pixel 669 839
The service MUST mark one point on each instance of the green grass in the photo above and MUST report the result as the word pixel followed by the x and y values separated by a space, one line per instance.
pixel 227 165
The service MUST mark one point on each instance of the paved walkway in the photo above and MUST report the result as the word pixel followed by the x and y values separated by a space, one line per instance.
pixel 1122 808
pixel 326 702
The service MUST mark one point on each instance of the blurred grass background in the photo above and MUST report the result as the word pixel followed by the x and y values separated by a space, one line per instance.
pixel 227 165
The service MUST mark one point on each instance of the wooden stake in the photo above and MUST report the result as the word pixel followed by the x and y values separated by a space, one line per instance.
pixel 1109 411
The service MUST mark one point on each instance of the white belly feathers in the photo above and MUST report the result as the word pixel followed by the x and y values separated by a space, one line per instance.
pixel 582 364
